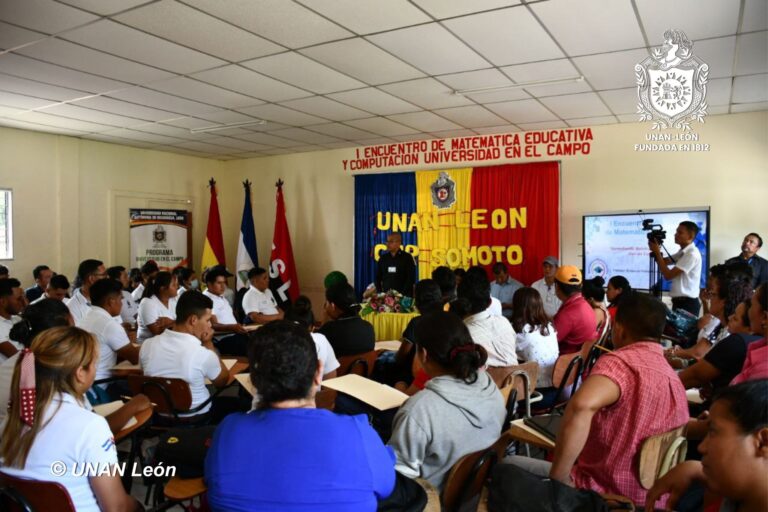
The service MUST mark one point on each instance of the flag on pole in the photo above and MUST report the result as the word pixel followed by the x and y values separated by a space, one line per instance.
pixel 247 257
pixel 282 270
pixel 213 249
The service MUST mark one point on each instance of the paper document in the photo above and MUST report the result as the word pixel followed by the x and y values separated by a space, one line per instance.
pixel 388 345
pixel 229 363
pixel 251 327
pixel 107 409
pixel 245 380
pixel 371 392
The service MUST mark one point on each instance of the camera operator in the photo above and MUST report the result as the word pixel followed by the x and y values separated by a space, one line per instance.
pixel 685 275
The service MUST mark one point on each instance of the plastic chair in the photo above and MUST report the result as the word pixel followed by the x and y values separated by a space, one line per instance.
pixel 26 495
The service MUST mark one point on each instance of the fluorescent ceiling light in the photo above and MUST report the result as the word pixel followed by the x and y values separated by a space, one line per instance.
pixel 218 127
pixel 554 81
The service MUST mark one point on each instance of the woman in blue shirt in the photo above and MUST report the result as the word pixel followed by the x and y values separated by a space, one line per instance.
pixel 286 454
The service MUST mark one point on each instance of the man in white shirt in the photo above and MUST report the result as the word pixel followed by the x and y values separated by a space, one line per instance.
pixel 546 286
pixel 107 301
pixel 89 271
pixel 57 289
pixel 685 275
pixel 187 352
pixel 235 342
pixel 12 303
pixel 258 303
pixel 493 332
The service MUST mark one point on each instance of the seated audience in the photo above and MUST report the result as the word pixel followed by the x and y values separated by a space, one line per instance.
pixel 148 270
pixel 301 313
pixel 157 309
pixel 89 271
pixel 503 288
pixel 734 453
pixel 186 352
pixel 346 331
pixel 107 301
pixel 749 247
pixel 593 293
pixel 328 462
pixel 629 396
pixel 57 289
pixel 616 292
pixel 53 425
pixel 334 277
pixel 234 340
pixel 42 275
pixel 258 302
pixel 186 278
pixel 460 410
pixel 494 333
pixel 756 361
pixel 12 303
pixel 536 339
pixel 546 286
pixel 134 275
pixel 574 321
pixel 130 309
pixel 446 280
pixel 494 307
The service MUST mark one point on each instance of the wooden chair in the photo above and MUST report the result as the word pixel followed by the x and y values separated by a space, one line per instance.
pixel 587 352
pixel 466 479
pixel 183 489
pixel 359 364
pixel 516 384
pixel 25 495
pixel 565 377
pixel 659 454
pixel 171 396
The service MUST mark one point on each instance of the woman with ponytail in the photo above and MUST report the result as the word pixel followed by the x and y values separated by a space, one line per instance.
pixel 157 310
pixel 459 411
pixel 49 434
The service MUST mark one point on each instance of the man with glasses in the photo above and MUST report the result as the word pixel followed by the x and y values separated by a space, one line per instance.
pixel 89 271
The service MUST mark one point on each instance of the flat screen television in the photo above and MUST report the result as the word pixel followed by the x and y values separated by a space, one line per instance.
pixel 615 243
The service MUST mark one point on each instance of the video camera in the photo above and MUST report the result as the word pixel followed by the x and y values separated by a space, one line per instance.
pixel 655 231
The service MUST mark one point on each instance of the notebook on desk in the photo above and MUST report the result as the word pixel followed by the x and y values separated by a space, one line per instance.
pixel 547 425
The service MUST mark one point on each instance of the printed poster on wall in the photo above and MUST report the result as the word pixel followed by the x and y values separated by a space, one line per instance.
pixel 160 235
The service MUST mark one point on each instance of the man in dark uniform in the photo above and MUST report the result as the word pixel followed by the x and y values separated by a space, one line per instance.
pixel 396 270
pixel 749 247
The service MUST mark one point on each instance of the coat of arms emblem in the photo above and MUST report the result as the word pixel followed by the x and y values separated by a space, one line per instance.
pixel 672 84
pixel 158 236
pixel 443 191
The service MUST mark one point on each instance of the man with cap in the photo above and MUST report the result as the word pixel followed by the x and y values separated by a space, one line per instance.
pixel 575 321
pixel 546 286
pixel 231 336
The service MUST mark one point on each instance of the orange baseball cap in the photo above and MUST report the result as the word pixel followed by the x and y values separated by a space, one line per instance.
pixel 568 274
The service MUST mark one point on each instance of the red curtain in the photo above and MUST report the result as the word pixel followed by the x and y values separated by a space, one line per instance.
pixel 534 186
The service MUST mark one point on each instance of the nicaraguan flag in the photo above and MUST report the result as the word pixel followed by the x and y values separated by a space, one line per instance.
pixel 247 257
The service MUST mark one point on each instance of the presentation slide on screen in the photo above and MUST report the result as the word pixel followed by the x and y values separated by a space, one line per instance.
pixel 616 245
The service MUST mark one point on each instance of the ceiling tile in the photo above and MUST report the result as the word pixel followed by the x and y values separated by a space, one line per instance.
pixel 39 90
pixel 573 106
pixel 236 78
pixel 202 92
pixel 430 48
pixel 522 111
pixel 306 136
pixel 229 142
pixel 548 70
pixel 286 23
pixel 278 114
pixel 43 72
pixel 22 101
pixel 487 97
pixel 142 136
pixel 94 116
pixel 23 125
pixel 427 93
pixel 161 100
pixel 611 70
pixel 170 131
pixel 125 108
pixel 106 7
pixel 545 125
pixel 592 121
pixel 442 9
pixel 475 79
pixel 204 147
pixel 382 126
pixel 11 37
pixel 471 116
pixel 753 54
pixel 364 61
pixel 508 36
pixel 62 122
pixel 718 54
pixel 424 121
pixel 269 139
pixel 43 15
pixel 749 107
pixel 303 72
pixel 621 101
pixel 594 17
pixel 750 89
pixel 755 15
pixel 227 117
pixel 198 30
pixel 374 101
pixel 367 16
pixel 490 130
pixel 341 131
pixel 328 109
pixel 719 91
pixel 187 122
pixel 109 139
pixel 111 37
pixel 697 18
pixel 78 57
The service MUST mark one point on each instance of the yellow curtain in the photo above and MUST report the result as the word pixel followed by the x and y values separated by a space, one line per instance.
pixel 446 235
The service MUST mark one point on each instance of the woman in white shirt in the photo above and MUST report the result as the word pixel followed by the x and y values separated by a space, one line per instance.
pixel 536 336
pixel 48 422
pixel 157 310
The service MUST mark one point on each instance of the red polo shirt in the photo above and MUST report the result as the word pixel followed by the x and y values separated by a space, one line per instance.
pixel 575 323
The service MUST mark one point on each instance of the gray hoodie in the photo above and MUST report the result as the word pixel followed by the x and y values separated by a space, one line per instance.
pixel 447 420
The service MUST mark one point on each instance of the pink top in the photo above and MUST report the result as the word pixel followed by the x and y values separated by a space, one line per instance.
pixel 575 324
pixel 652 402
pixel 755 364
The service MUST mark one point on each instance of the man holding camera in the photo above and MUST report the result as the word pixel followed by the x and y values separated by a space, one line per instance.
pixel 685 275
